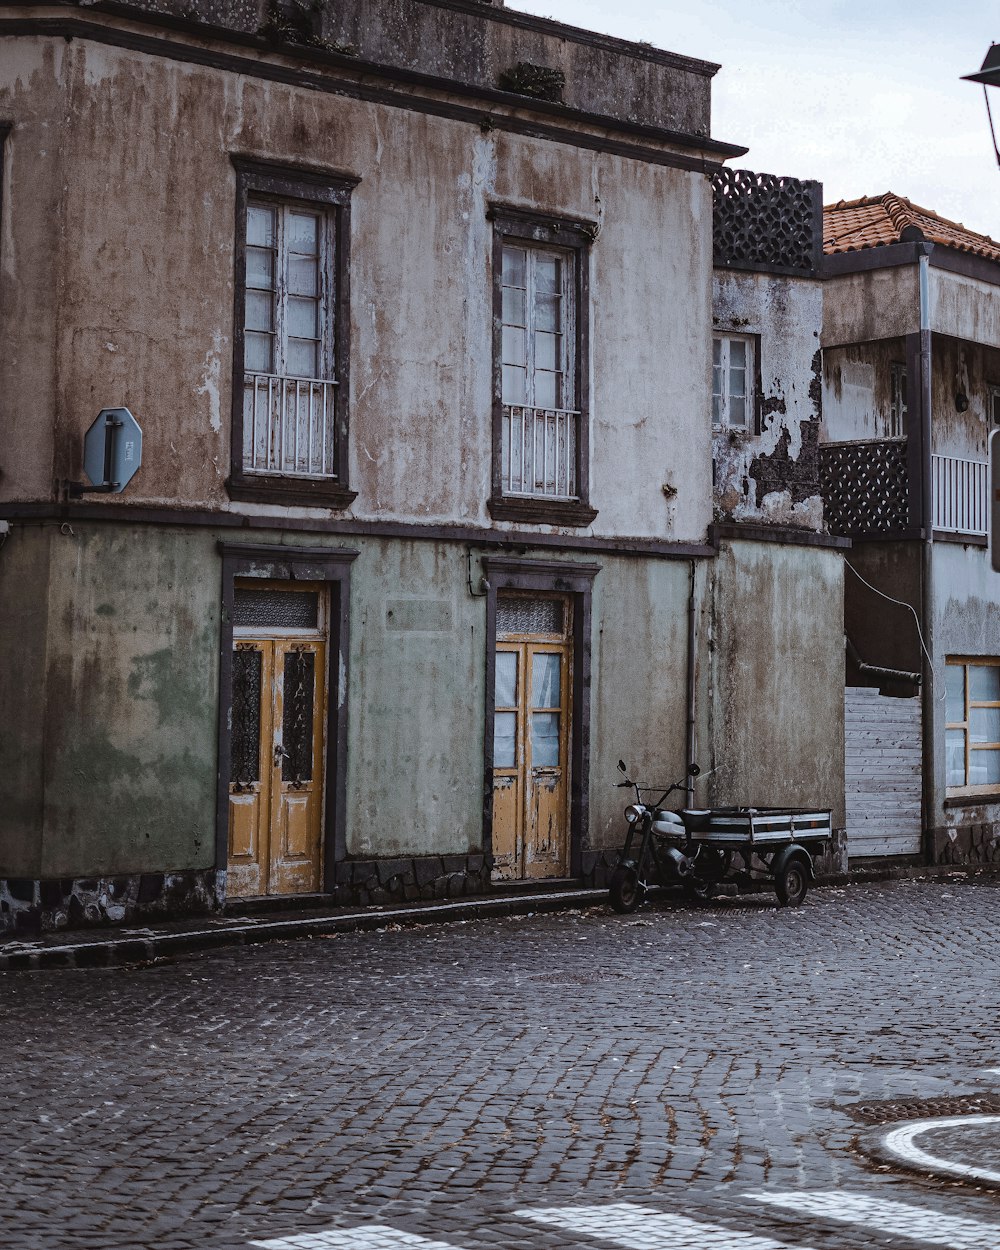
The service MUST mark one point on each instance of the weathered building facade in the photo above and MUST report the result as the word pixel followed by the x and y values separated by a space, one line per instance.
pixel 414 314
pixel 911 344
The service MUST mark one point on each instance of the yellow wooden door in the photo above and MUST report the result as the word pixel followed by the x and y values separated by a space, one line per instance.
pixel 276 780
pixel 531 736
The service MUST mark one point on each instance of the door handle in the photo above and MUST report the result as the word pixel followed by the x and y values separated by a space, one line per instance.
pixel 280 754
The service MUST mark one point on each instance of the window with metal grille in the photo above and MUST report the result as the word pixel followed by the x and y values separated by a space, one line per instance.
pixel 972 733
pixel 519 614
pixel 540 466
pixel 289 404
pixel 275 609
pixel 733 381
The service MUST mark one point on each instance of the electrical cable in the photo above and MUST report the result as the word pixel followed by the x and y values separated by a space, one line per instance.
pixel 909 607
pixel 989 114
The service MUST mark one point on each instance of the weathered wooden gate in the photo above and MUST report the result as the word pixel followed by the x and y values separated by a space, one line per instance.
pixel 882 767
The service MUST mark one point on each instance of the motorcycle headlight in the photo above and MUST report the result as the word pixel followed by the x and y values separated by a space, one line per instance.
pixel 633 812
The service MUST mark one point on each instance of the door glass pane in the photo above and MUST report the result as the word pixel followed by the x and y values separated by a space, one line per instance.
pixel 244 763
pixel 260 226
pixel 514 259
pixel 515 385
pixel 954 693
pixel 984 768
pixel 955 749
pixel 984 724
pixel 545 740
pixel 506 679
pixel 545 680
pixel 288 609
pixel 518 615
pixel 984 683
pixel 297 719
pixel 504 739
pixel 513 346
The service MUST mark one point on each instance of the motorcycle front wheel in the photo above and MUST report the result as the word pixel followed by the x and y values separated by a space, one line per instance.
pixel 625 890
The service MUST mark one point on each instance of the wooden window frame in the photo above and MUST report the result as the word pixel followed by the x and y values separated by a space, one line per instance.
pixel 965 663
pixel 899 408
pixel 315 189
pixel 573 238
pixel 305 566
pixel 569 580
pixel 754 385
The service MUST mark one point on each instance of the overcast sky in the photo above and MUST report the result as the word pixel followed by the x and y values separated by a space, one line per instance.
pixel 866 97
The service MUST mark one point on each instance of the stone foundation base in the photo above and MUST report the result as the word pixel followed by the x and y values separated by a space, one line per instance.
pixel 28 906
pixel 964 845
pixel 367 882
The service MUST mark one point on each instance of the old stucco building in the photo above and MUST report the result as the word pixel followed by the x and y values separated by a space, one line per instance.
pixel 415 315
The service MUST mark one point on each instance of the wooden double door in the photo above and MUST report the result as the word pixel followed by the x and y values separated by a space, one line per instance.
pixel 531 738
pixel 276 790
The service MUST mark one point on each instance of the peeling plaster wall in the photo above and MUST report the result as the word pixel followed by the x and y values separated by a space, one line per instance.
pixel 773 631
pixel 772 476
pixel 131 156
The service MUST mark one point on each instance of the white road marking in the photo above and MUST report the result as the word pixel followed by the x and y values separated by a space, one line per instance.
pixel 900 1142
pixel 372 1237
pixel 641 1228
pixel 897 1218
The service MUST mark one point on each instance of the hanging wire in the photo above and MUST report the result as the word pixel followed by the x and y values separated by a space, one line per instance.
pixel 909 607
pixel 989 114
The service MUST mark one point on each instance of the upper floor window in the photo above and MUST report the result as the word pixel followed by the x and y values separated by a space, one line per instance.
pixel 733 376
pixel 897 401
pixel 540 352
pixel 290 392
pixel 972 733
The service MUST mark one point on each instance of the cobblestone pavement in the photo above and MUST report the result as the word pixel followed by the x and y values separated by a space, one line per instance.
pixel 681 1079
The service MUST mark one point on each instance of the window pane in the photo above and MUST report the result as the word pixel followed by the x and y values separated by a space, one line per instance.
pixel 519 615
pixel 545 680
pixel 514 266
pixel 259 310
pixel 260 226
pixel 954 683
pixel 301 317
pixel 257 353
pixel 984 683
pixel 513 306
pixel 717 376
pixel 547 312
pixel 955 751
pixel 547 276
pixel 717 352
pixel 504 739
pixel 300 359
pixel 716 409
pixel 737 411
pixel 738 382
pixel 260 268
pixel 984 768
pixel 737 354
pixel 303 233
pixel 984 724
pixel 515 385
pixel 303 275
pixel 547 347
pixel 514 352
pixel 506 679
pixel 546 390
pixel 545 740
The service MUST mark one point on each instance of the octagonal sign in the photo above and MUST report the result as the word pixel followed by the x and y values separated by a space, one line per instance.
pixel 112 450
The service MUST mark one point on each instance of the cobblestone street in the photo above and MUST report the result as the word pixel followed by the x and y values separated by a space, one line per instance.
pixel 682 1078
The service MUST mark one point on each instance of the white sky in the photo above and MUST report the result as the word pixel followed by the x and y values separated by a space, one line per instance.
pixel 866 97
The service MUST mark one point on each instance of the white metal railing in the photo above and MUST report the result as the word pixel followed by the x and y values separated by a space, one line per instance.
pixel 288 425
pixel 961 494
pixel 539 452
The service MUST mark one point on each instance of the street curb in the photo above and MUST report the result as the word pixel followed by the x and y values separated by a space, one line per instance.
pixel 144 945
pixel 873 1143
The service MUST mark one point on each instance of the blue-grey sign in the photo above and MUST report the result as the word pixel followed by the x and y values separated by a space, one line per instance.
pixel 112 450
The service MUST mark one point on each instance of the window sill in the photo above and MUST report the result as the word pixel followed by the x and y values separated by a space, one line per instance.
pixel 291 491
pixel 972 800
pixel 541 511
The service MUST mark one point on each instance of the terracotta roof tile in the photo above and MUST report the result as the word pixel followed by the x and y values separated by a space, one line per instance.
pixel 873 221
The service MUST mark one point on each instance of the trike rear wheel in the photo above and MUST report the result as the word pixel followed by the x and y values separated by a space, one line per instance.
pixel 625 890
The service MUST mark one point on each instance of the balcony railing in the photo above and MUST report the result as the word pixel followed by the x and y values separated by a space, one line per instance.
pixel 961 495
pixel 539 452
pixel 288 425
pixel 865 487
